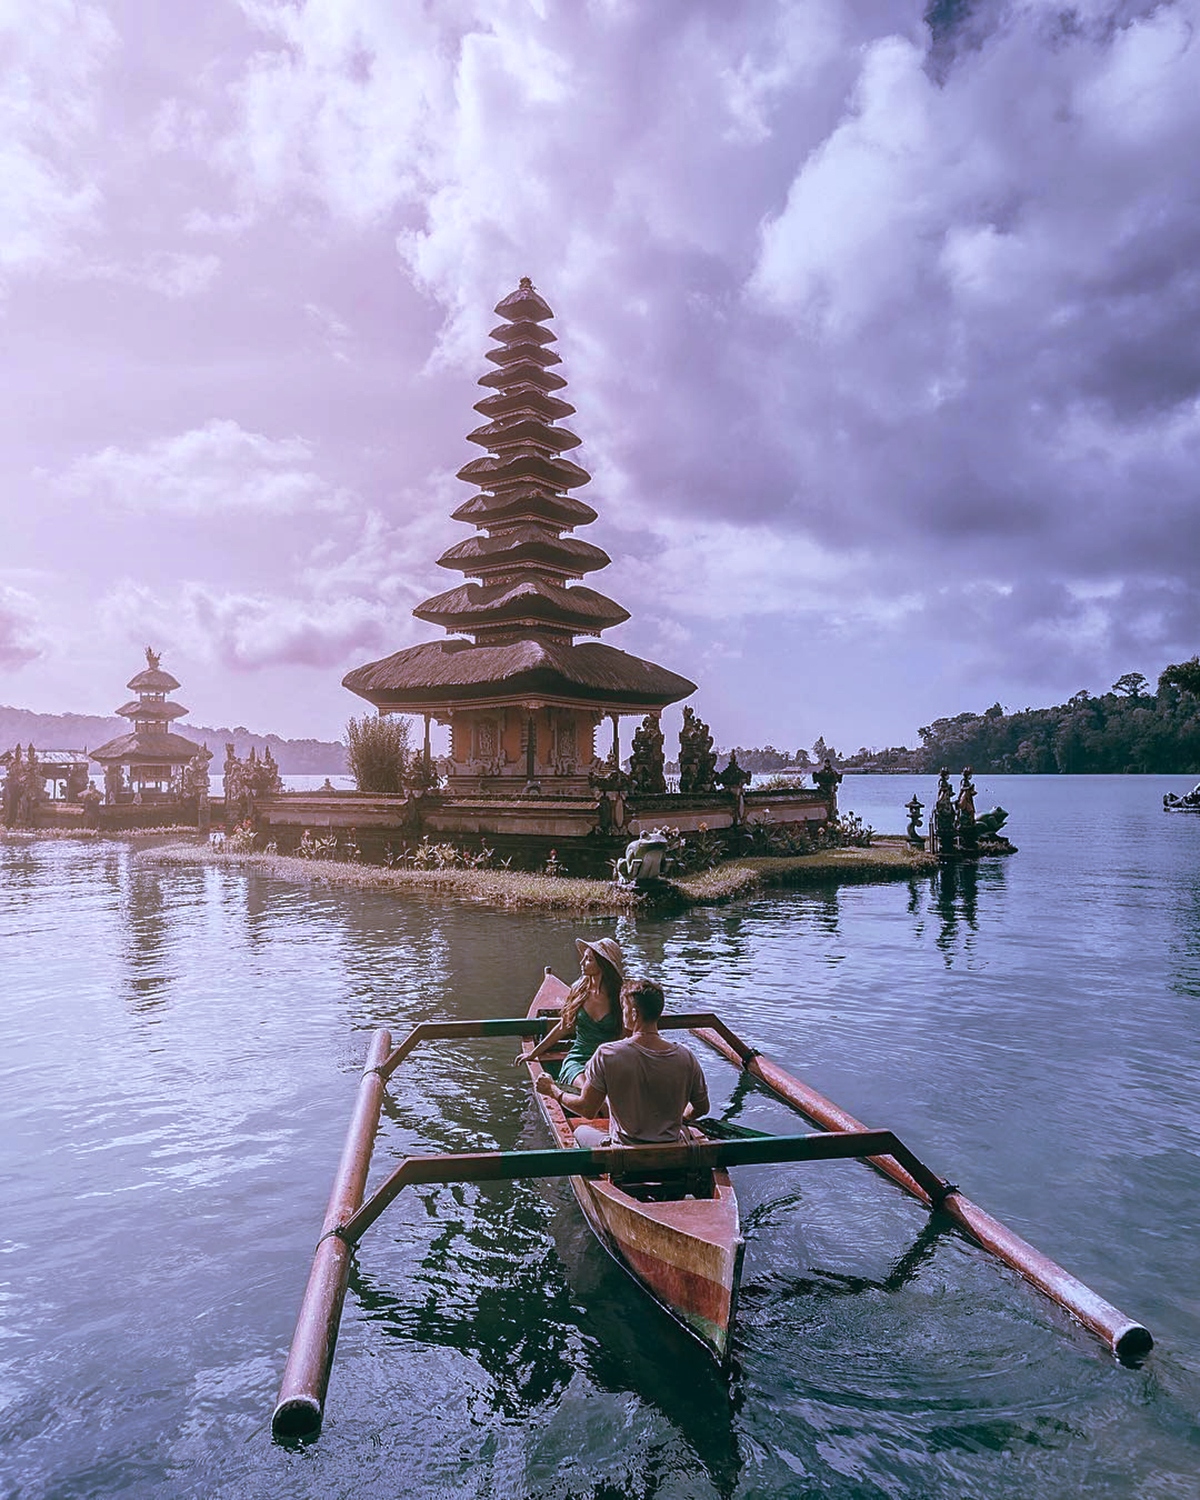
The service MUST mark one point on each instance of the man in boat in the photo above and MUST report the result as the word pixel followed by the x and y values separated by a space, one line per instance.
pixel 652 1085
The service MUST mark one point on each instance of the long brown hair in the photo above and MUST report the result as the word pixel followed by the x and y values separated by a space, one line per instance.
pixel 610 985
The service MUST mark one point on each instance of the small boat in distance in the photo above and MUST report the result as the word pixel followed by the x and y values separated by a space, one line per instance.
pixel 1189 802
pixel 677 1234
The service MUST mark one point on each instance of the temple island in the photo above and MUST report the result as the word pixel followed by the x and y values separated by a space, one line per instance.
pixel 524 684
pixel 153 777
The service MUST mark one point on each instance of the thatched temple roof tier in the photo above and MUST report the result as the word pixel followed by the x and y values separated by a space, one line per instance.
pixel 525 505
pixel 529 602
pixel 526 401
pixel 148 749
pixel 524 372
pixel 525 349
pixel 152 680
pixel 522 332
pixel 457 674
pixel 521 430
pixel 524 546
pixel 149 708
pixel 524 305
pixel 520 468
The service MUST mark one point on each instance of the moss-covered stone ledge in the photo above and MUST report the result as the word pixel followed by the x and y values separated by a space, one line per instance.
pixel 502 888
pixel 886 859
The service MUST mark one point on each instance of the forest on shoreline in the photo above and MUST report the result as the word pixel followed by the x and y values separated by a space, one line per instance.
pixel 1128 730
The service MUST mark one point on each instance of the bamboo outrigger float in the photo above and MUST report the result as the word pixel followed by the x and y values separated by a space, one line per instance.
pixel 685 1251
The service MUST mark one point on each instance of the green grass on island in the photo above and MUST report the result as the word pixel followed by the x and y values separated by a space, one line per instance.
pixel 885 859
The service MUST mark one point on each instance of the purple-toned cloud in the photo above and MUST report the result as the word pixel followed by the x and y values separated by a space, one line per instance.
pixel 19 634
pixel 210 471
pixel 881 318
pixel 246 632
pixel 54 56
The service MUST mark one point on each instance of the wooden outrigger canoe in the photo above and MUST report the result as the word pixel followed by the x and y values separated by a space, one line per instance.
pixel 687 1252
pixel 685 1247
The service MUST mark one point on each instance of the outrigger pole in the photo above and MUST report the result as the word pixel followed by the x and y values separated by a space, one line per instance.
pixel 306 1374
pixel 300 1406
pixel 1128 1340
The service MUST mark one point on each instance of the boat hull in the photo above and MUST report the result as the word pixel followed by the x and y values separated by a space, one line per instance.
pixel 686 1253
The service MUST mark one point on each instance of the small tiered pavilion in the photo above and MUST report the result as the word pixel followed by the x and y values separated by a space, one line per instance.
pixel 147 759
pixel 523 697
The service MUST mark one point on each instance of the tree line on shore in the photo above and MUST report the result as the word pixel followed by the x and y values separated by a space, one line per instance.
pixel 1127 730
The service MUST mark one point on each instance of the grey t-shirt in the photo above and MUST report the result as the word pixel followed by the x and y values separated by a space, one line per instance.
pixel 647 1089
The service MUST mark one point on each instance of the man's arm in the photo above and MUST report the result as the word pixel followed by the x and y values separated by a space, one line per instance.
pixel 698 1093
pixel 585 1103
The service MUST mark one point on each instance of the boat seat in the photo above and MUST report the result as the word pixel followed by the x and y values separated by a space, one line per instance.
pixel 657 1186
pixel 667 1187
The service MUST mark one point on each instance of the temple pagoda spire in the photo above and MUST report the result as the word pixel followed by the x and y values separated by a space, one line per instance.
pixel 522 696
pixel 523 560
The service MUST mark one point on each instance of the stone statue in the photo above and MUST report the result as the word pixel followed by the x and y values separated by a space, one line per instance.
pixel 194 785
pixel 247 780
pixel 965 806
pixel 989 824
pixel 114 783
pixel 8 792
pixel 11 789
pixel 611 783
pixel 646 774
pixel 605 777
pixel 733 776
pixel 827 780
pixel 77 783
pixel 913 833
pixel 697 759
pixel 28 788
pixel 644 858
pixel 194 780
pixel 233 785
pixel 91 801
pixel 943 814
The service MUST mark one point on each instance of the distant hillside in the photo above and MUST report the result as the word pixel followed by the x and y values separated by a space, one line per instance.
pixel 86 731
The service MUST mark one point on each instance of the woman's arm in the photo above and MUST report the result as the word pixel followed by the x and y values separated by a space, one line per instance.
pixel 557 1030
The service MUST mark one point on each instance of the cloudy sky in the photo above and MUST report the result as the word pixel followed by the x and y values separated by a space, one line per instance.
pixel 881 319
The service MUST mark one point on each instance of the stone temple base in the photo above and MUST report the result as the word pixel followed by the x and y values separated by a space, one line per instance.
pixel 584 832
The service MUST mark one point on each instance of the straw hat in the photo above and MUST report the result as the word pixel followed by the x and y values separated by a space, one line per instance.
pixel 606 948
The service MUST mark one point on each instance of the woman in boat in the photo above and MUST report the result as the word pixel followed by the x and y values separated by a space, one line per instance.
pixel 591 1013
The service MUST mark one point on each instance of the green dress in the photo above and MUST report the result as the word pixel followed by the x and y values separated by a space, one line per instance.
pixel 589 1035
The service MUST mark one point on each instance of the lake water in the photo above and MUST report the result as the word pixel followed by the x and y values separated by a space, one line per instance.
pixel 180 1053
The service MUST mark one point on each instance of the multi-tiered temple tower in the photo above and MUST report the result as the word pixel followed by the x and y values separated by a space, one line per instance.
pixel 151 755
pixel 523 698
